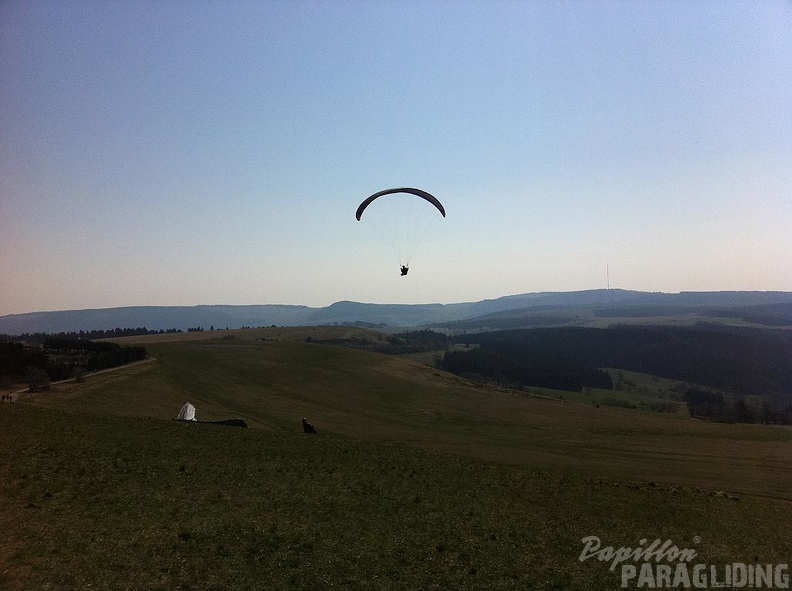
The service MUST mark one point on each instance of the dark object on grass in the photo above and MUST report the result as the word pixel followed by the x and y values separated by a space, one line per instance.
pixel 308 427
pixel 229 422
pixel 187 414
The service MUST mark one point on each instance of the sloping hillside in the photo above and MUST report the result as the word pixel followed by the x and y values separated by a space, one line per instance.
pixel 416 480
pixel 365 395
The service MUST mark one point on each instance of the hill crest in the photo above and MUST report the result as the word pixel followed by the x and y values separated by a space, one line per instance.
pixel 770 308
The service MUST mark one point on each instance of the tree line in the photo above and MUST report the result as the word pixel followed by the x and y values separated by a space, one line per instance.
pixel 114 333
pixel 721 408
pixel 59 359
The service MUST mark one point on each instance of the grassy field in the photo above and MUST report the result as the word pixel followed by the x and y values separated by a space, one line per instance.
pixel 417 480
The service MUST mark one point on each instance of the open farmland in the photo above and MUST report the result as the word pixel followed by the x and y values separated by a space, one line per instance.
pixel 417 479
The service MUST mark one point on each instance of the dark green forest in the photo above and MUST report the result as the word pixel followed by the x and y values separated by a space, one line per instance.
pixel 750 362
pixel 525 366
pixel 60 359
pixel 743 375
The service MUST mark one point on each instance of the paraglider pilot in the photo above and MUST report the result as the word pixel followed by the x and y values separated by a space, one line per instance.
pixel 308 427
pixel 404 270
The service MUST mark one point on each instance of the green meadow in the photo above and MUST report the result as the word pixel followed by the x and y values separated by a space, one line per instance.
pixel 417 479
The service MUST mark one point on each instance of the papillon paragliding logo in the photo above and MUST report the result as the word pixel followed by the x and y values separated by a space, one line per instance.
pixel 400 220
pixel 663 565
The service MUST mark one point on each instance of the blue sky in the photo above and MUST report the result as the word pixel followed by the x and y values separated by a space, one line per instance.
pixel 181 153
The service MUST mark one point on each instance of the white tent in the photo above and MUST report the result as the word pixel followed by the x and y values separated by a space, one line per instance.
pixel 187 413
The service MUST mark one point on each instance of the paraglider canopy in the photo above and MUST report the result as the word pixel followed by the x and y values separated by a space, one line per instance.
pixel 187 413
pixel 400 220
pixel 420 193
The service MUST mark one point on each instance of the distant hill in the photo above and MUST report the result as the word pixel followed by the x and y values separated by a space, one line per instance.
pixel 581 308
pixel 605 308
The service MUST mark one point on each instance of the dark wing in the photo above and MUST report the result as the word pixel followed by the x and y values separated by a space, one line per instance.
pixel 418 192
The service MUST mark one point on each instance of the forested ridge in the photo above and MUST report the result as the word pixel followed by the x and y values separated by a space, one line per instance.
pixel 747 362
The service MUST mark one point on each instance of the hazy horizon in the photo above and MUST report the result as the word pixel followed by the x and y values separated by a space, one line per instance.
pixel 181 154
pixel 498 297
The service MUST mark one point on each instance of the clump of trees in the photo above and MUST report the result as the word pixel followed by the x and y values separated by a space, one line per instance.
pixel 37 379
pixel 66 354
pixel 664 406
pixel 417 341
pixel 716 406
pixel 15 358
pixel 60 359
